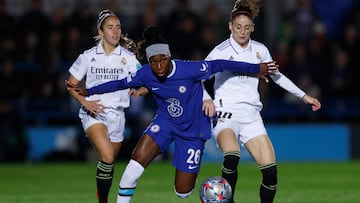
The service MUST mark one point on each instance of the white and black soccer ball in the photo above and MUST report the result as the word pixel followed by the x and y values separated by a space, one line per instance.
pixel 215 189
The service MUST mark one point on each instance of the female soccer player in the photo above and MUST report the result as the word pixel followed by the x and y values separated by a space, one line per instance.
pixel 177 89
pixel 238 102
pixel 103 120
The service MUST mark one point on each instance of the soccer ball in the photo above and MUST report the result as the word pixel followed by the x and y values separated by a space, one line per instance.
pixel 215 189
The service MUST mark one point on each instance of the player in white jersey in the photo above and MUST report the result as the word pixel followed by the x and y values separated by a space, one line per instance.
pixel 104 121
pixel 238 104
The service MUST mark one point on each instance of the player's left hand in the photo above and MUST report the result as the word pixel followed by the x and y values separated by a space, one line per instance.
pixel 142 91
pixel 315 104
pixel 268 68
pixel 209 107
pixel 79 90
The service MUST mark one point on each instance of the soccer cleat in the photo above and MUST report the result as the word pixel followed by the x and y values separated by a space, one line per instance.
pixel 97 196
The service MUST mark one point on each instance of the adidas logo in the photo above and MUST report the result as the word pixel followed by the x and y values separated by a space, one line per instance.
pixel 93 60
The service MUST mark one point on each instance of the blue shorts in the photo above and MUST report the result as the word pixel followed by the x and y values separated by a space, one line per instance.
pixel 188 152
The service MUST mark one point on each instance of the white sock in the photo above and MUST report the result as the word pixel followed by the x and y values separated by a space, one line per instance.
pixel 128 181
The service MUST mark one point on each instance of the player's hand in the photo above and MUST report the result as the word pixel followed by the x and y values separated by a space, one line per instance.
pixel 94 107
pixel 315 104
pixel 142 91
pixel 134 92
pixel 209 107
pixel 79 90
pixel 268 68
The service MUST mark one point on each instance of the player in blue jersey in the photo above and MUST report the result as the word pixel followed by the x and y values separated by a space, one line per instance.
pixel 177 89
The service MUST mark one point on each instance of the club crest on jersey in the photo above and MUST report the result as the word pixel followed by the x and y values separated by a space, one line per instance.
pixel 123 61
pixel 182 89
pixel 155 128
pixel 258 55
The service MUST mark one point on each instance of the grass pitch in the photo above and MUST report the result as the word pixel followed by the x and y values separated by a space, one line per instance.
pixel 75 183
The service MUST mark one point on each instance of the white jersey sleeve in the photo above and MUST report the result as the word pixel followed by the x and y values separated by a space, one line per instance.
pixel 79 68
pixel 284 82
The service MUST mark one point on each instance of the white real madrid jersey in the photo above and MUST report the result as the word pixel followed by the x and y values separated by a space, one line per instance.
pixel 232 88
pixel 97 68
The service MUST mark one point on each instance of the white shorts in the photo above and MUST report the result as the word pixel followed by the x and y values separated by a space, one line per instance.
pixel 245 128
pixel 114 120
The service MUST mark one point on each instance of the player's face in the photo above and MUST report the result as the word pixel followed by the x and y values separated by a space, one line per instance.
pixel 111 31
pixel 160 65
pixel 241 27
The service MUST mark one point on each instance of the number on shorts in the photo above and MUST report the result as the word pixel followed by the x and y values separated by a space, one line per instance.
pixel 194 156
pixel 224 115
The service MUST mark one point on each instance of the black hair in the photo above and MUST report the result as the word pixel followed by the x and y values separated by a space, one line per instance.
pixel 151 35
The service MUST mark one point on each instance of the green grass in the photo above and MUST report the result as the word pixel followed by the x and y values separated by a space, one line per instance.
pixel 75 183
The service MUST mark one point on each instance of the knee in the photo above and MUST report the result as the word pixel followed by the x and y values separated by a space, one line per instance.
pixel 183 195
pixel 231 160
pixel 269 173
pixel 108 158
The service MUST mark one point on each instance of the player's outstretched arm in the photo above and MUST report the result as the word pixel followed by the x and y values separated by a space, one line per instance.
pixel 315 104
pixel 93 106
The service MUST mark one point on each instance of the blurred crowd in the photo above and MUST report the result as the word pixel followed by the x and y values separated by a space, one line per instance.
pixel 316 44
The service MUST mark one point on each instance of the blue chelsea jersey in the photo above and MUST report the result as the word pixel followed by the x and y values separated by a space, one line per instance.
pixel 180 96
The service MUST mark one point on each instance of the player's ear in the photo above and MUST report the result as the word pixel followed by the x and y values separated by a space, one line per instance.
pixel 230 26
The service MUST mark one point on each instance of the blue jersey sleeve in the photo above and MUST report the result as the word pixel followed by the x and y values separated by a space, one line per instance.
pixel 235 66
pixel 205 69
pixel 110 86
pixel 134 80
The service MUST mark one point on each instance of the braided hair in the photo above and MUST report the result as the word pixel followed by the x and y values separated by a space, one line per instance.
pixel 249 8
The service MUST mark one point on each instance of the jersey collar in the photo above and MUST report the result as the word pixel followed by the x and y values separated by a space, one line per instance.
pixel 237 48
pixel 100 49
pixel 173 70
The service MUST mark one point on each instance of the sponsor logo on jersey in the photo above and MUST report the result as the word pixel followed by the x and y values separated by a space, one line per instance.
pixel 174 108
pixel 93 60
pixel 78 61
pixel 204 67
pixel 154 88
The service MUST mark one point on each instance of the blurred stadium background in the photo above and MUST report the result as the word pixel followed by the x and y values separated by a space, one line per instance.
pixel 315 42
